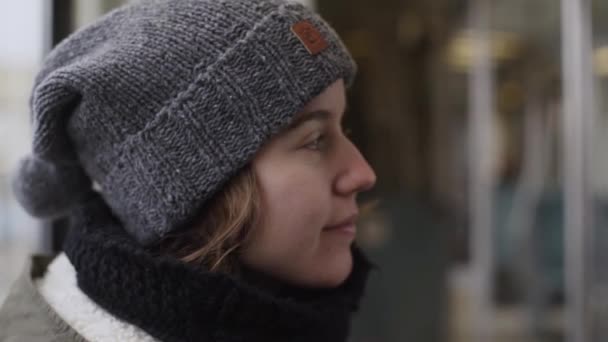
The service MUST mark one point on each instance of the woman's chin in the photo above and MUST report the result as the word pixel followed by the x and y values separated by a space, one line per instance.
pixel 331 274
pixel 326 271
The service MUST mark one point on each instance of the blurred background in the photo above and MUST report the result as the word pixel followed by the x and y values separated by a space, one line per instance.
pixel 487 125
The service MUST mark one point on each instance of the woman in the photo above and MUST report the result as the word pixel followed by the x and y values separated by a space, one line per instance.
pixel 196 148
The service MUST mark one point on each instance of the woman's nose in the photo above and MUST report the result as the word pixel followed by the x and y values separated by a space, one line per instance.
pixel 355 175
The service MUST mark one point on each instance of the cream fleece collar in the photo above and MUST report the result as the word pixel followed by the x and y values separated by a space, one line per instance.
pixel 59 288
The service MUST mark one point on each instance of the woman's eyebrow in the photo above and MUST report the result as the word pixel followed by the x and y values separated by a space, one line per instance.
pixel 317 115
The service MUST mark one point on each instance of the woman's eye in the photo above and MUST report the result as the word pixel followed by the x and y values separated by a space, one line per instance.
pixel 317 144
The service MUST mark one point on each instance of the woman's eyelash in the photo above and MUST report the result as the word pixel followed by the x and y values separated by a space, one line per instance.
pixel 316 144
pixel 320 140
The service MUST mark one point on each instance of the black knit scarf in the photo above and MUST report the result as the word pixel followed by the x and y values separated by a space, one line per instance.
pixel 174 301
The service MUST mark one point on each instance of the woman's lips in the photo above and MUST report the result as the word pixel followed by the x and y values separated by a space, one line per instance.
pixel 348 226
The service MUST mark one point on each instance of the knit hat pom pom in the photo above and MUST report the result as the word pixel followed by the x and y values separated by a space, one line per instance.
pixel 48 190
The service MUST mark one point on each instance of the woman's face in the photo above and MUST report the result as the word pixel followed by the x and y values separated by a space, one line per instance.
pixel 309 177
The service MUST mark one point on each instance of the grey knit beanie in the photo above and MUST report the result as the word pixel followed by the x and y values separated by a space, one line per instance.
pixel 161 102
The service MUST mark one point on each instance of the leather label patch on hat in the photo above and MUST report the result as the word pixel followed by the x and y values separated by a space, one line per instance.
pixel 310 37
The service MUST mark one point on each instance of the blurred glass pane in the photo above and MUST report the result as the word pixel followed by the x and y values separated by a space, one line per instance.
pixel 462 146
pixel 21 34
pixel 598 278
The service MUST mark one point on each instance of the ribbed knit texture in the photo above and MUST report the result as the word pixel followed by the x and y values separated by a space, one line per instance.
pixel 161 102
pixel 174 301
